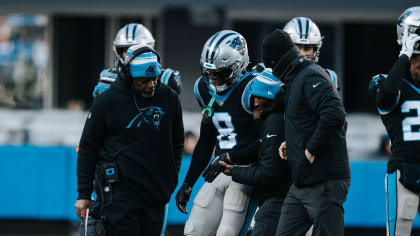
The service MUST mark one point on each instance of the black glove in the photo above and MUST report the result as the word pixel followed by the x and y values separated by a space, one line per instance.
pixel 214 168
pixel 182 197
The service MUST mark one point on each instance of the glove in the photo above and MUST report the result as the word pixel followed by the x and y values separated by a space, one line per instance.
pixel 408 43
pixel 182 197
pixel 214 168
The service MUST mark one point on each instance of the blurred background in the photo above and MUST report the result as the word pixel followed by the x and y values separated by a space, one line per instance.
pixel 51 54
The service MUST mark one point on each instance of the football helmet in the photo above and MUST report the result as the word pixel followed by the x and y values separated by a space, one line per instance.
pixel 224 58
pixel 304 32
pixel 129 35
pixel 409 18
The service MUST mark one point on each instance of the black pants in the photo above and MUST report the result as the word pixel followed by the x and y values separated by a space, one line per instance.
pixel 127 215
pixel 320 205
pixel 267 217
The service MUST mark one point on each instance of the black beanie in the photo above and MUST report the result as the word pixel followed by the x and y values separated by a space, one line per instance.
pixel 278 51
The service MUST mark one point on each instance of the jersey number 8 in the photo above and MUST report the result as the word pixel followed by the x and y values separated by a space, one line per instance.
pixel 223 123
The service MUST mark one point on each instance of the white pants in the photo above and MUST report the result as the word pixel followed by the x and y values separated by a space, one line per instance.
pixel 401 206
pixel 219 208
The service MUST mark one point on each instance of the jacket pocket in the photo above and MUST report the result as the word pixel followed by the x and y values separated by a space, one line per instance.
pixel 301 172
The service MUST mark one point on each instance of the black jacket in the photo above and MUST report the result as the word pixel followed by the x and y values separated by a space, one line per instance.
pixel 144 136
pixel 315 120
pixel 270 175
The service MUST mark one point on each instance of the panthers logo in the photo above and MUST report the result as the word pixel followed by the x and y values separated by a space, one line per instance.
pixel 402 17
pixel 148 115
pixel 151 70
pixel 238 44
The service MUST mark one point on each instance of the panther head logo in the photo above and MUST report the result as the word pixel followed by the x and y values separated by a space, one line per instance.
pixel 148 115
pixel 151 70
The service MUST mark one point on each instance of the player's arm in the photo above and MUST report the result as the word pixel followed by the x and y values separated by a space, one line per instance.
pixel 202 152
pixel 324 101
pixel 245 155
pixel 91 141
pixel 200 158
pixel 269 167
pixel 178 134
pixel 388 93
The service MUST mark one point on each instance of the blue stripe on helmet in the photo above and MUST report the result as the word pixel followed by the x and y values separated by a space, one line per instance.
pixel 134 30
pixel 208 47
pixel 300 27
pixel 307 28
pixel 126 31
pixel 218 43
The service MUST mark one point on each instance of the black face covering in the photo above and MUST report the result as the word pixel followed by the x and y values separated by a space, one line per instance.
pixel 279 52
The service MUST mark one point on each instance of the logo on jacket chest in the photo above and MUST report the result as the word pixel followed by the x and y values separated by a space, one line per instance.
pixel 147 116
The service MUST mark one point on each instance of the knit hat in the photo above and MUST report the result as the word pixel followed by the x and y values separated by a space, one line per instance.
pixel 266 85
pixel 145 65
pixel 278 51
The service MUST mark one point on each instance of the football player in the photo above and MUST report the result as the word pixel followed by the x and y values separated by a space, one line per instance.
pixel 129 35
pixel 398 99
pixel 270 175
pixel 227 125
pixel 306 35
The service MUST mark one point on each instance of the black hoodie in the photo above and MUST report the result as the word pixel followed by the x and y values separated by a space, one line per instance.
pixel 145 136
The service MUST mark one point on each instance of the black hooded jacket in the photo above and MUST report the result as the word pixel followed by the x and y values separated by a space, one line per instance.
pixel 144 136
pixel 270 175
pixel 315 120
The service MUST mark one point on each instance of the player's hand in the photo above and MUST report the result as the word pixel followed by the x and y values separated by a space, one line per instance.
pixel 282 151
pixel 214 168
pixel 228 168
pixel 309 156
pixel 81 205
pixel 408 43
pixel 182 197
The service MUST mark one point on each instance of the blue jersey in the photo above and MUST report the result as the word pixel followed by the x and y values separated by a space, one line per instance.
pixel 232 117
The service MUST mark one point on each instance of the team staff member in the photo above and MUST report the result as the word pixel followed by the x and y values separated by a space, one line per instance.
pixel 134 134
pixel 398 101
pixel 270 175
pixel 316 145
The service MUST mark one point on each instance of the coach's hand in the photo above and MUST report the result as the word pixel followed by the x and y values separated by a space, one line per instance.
pixel 309 156
pixel 81 205
pixel 182 197
pixel 282 151
pixel 214 168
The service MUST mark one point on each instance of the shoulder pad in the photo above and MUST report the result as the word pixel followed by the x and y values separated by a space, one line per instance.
pixel 246 98
pixel 108 76
pixel 197 91
pixel 333 76
pixel 375 83
pixel 166 74
pixel 172 78
pixel 258 67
